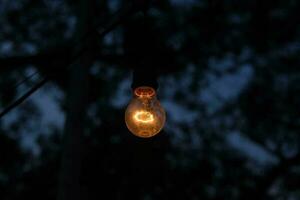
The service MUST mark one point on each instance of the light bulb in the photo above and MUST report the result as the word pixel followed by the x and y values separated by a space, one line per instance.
pixel 144 116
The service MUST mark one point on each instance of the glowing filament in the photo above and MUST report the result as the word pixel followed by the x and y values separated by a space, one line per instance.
pixel 143 116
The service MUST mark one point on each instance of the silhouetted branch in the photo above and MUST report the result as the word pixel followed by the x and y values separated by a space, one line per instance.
pixel 60 53
pixel 68 52
pixel 41 60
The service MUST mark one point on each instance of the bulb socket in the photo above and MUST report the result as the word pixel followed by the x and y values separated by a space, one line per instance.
pixel 144 91
pixel 144 77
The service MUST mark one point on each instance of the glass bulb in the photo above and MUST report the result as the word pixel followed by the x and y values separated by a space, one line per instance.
pixel 144 116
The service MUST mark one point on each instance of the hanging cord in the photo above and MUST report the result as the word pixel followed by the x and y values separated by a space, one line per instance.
pixel 117 19
pixel 145 73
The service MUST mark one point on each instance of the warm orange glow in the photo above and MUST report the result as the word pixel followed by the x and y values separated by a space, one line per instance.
pixel 144 116
pixel 144 92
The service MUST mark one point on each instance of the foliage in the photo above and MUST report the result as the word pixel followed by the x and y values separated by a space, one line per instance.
pixel 229 79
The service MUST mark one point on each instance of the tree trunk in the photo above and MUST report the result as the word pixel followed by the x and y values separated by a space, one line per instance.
pixel 69 180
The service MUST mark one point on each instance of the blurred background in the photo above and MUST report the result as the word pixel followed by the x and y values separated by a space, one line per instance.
pixel 229 80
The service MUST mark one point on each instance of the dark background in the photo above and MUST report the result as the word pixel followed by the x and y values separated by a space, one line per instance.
pixel 228 79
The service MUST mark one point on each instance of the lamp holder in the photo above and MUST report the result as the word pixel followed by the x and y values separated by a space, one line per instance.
pixel 144 76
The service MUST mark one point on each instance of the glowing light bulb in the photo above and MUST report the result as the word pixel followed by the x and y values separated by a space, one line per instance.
pixel 144 116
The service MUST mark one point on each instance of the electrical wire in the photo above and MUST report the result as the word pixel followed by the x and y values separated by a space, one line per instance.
pixel 117 19
pixel 26 79
pixel 23 97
